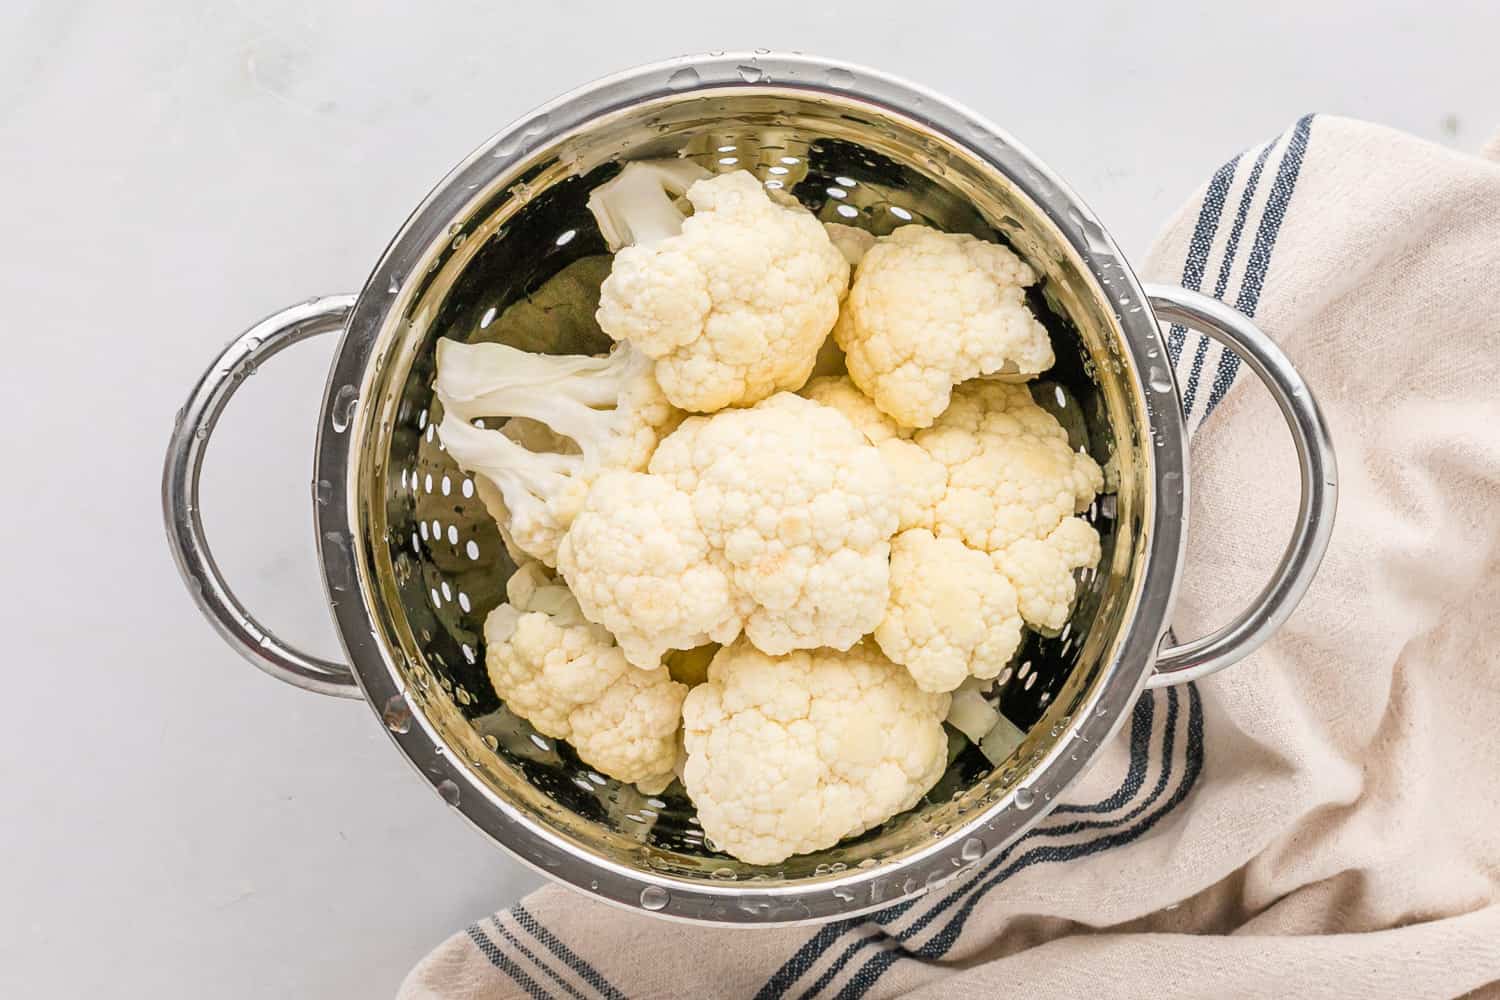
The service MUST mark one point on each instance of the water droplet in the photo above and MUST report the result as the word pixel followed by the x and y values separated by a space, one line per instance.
pixel 594 884
pixel 844 895
pixel 683 78
pixel 202 432
pixel 342 412
pixel 724 874
pixel 397 714
pixel 1025 798
pixel 654 897
pixel 448 789
pixel 751 74
pixel 1159 379
pixel 972 849
pixel 322 491
pixel 936 879
pixel 394 286
pixel 762 52
pixel 840 78
pixel 491 742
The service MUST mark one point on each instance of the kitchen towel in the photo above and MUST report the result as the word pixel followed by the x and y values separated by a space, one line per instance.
pixel 1321 820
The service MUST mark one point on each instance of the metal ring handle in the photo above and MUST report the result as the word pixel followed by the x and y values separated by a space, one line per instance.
pixel 179 496
pixel 1315 512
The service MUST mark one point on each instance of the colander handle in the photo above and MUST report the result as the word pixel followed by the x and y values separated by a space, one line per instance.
pixel 179 496
pixel 1319 473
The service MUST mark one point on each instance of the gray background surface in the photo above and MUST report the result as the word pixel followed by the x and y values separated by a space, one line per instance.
pixel 175 824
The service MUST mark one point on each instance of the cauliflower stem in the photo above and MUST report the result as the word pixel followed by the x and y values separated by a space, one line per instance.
pixel 609 408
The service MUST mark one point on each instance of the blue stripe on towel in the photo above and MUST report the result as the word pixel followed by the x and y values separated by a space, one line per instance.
pixel 502 962
pixel 1259 264
pixel 587 972
pixel 1231 250
pixel 1201 243
pixel 531 957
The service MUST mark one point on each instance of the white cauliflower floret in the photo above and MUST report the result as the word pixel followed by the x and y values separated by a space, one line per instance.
pixel 792 754
pixel 570 681
pixel 952 614
pixel 734 301
pixel 843 395
pixel 1042 570
pixel 801 510
pixel 920 481
pixel 609 408
pixel 641 567
pixel 996 471
pixel 929 310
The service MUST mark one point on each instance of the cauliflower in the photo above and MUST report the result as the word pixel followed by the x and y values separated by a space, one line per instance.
pixel 734 301
pixel 929 310
pixel 952 614
pixel 799 508
pixel 609 408
pixel 996 472
pixel 639 565
pixel 1042 570
pixel 569 679
pixel 791 754
pixel 843 395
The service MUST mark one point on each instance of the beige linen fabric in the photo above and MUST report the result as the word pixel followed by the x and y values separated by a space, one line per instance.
pixel 1322 820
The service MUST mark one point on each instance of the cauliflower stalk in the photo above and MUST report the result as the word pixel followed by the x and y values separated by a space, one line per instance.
pixel 609 409
pixel 567 677
pixel 929 310
pixel 790 754
pixel 798 510
pixel 733 301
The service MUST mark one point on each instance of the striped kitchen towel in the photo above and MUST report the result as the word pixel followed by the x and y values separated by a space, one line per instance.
pixel 1322 820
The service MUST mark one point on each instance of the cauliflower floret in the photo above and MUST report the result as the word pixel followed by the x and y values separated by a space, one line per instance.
pixel 734 301
pixel 801 509
pixel 843 395
pixel 609 409
pixel 569 679
pixel 929 310
pixel 920 481
pixel 791 754
pixel 640 566
pixel 996 471
pixel 1042 570
pixel 952 614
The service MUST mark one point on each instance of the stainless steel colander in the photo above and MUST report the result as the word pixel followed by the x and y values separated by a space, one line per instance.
pixel 413 563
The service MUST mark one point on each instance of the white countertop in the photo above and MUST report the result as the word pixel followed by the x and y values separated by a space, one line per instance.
pixel 177 824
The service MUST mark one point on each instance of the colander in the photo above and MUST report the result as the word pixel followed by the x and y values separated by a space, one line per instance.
pixel 413 563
